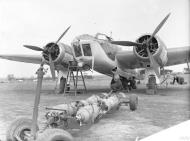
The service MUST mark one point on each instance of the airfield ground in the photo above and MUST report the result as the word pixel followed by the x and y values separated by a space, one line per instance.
pixel 155 112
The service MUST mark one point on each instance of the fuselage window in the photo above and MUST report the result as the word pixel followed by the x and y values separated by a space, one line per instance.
pixel 87 50
pixel 77 50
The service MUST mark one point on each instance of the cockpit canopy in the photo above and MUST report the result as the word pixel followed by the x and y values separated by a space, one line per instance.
pixel 82 44
pixel 102 36
pixel 81 48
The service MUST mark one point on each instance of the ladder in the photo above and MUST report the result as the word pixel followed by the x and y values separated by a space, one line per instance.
pixel 74 78
pixel 164 83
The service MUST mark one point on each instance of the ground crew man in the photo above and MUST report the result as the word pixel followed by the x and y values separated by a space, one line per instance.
pixel 116 83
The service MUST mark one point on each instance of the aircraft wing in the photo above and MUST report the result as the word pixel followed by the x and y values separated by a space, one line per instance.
pixel 35 59
pixel 178 55
pixel 128 60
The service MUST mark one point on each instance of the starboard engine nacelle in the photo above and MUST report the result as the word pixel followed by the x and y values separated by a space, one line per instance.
pixel 157 49
pixel 58 53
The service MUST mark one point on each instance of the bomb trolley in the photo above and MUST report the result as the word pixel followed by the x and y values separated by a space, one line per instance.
pixel 81 113
pixel 62 117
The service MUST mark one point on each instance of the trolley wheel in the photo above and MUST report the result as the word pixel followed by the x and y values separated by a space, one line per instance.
pixel 54 135
pixel 19 129
pixel 133 102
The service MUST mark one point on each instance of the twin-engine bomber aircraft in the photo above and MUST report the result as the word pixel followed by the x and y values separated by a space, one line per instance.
pixel 102 55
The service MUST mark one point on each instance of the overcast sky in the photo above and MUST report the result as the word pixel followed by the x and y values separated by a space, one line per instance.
pixel 38 22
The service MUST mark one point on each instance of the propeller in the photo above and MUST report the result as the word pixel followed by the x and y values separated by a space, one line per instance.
pixel 34 47
pixel 52 67
pixel 130 43
pixel 61 37
pixel 49 52
pixel 158 28
pixel 146 44
pixel 126 43
pixel 153 62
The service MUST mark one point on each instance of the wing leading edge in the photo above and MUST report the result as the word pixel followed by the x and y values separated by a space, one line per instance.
pixel 178 55
pixel 35 59
pixel 128 60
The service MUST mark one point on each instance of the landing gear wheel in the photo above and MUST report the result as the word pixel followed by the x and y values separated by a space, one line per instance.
pixel 19 129
pixel 54 135
pixel 133 102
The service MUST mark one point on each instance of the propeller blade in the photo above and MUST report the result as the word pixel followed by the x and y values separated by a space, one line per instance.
pixel 158 28
pixel 153 62
pixel 52 67
pixel 62 35
pixel 34 48
pixel 126 43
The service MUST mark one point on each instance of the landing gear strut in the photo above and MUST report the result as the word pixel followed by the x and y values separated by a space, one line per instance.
pixel 62 85
pixel 151 85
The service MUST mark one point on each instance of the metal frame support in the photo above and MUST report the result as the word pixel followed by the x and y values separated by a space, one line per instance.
pixel 70 74
pixel 83 80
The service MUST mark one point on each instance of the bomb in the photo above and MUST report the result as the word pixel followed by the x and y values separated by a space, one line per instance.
pixel 69 109
pixel 110 102
pixel 93 99
pixel 88 113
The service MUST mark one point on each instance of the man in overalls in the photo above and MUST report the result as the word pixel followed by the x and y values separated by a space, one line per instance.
pixel 116 83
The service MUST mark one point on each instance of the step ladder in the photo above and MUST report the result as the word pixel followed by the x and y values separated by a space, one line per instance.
pixel 166 81
pixel 72 85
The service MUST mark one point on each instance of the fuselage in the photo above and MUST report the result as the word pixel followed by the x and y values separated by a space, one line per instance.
pixel 97 53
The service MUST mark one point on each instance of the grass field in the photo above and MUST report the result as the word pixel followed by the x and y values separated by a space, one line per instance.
pixel 155 112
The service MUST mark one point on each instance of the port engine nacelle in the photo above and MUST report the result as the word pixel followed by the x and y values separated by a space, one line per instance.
pixel 60 53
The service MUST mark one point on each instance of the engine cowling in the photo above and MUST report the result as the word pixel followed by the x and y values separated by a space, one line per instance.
pixel 58 52
pixel 157 49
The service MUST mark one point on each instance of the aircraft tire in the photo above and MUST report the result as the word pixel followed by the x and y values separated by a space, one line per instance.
pixel 133 102
pixel 18 128
pixel 54 135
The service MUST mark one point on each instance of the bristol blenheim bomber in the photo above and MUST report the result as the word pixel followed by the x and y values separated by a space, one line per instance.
pixel 102 55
